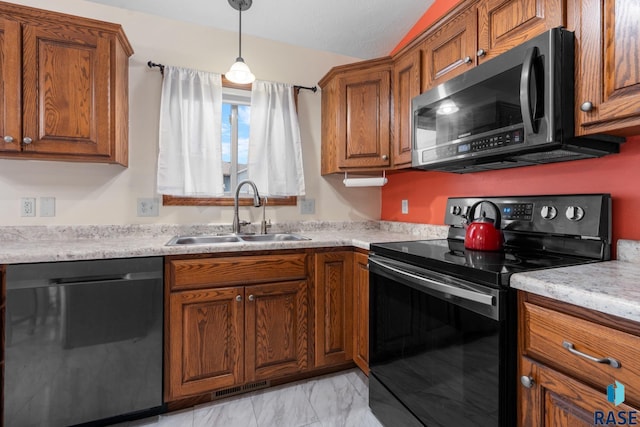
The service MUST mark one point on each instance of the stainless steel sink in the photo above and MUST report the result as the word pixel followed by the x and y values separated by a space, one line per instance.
pixel 234 238
pixel 276 237
pixel 202 240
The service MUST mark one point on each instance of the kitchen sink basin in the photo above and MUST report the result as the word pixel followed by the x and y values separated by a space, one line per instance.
pixel 233 238
pixel 202 240
pixel 276 237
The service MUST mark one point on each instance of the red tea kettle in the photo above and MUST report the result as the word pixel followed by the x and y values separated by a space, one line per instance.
pixel 484 234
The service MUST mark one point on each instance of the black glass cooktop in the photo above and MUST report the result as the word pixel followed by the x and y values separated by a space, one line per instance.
pixel 448 256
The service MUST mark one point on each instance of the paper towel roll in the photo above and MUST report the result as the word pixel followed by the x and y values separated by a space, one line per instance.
pixel 365 182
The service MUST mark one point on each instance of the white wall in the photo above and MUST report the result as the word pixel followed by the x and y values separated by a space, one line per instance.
pixel 107 194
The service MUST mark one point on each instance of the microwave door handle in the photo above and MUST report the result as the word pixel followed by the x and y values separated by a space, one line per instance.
pixel 525 95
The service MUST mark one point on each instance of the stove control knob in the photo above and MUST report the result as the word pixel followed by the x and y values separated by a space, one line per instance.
pixel 548 212
pixel 574 213
pixel 455 210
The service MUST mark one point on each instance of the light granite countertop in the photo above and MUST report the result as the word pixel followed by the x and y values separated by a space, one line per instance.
pixel 65 243
pixel 612 287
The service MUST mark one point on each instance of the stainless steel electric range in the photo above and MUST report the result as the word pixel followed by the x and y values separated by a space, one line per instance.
pixel 442 332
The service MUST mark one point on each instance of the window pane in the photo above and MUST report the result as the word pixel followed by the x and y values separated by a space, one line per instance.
pixel 226 146
pixel 244 115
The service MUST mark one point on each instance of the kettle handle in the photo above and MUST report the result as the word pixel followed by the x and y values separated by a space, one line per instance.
pixel 498 220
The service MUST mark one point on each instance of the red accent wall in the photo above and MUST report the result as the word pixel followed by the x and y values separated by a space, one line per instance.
pixel 427 192
pixel 617 174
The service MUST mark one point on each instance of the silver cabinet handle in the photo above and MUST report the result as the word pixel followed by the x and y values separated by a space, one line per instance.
pixel 385 157
pixel 481 52
pixel 527 381
pixel 467 60
pixel 251 298
pixel 586 106
pixel 27 140
pixel 239 298
pixel 605 360
pixel 8 139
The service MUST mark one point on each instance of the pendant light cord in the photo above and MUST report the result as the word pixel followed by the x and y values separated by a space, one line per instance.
pixel 240 5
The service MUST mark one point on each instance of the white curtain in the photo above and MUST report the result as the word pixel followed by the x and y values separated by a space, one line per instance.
pixel 190 152
pixel 275 149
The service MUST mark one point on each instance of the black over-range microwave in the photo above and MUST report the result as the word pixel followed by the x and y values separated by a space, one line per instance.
pixel 514 110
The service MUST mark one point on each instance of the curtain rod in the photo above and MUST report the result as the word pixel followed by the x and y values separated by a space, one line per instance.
pixel 152 64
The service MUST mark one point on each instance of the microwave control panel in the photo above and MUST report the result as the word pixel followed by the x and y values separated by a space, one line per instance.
pixel 495 141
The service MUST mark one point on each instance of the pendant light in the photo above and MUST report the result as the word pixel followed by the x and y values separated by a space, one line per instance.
pixel 239 72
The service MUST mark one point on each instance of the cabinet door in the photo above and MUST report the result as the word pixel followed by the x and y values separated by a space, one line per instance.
pixel 334 313
pixel 10 89
pixel 450 51
pixel 364 122
pixel 66 91
pixel 361 311
pixel 406 85
pixel 276 329
pixel 504 24
pixel 607 72
pixel 556 400
pixel 206 341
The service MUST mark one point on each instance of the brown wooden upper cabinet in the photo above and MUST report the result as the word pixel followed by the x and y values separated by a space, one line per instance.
pixel 504 24
pixel 607 72
pixel 450 49
pixel 479 32
pixel 406 85
pixel 65 95
pixel 356 109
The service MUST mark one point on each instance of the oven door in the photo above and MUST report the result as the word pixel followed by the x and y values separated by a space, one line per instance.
pixel 442 351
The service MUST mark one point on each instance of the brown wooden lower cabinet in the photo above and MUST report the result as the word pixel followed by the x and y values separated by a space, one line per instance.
pixel 236 321
pixel 361 311
pixel 557 400
pixel 333 307
pixel 206 340
pixel 560 386
pixel 225 336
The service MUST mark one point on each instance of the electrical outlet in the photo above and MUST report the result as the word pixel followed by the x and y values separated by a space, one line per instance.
pixel 28 206
pixel 405 207
pixel 148 206
pixel 47 206
pixel 307 206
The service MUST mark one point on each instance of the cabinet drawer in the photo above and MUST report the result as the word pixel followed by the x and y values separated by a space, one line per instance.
pixel 545 330
pixel 241 270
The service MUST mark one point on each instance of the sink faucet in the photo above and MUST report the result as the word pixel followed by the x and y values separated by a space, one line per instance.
pixel 256 203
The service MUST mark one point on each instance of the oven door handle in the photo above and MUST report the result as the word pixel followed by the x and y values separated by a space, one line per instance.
pixel 442 288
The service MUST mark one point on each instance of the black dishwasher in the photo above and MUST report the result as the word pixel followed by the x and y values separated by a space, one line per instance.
pixel 83 342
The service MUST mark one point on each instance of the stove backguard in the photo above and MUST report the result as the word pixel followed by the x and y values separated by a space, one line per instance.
pixel 572 224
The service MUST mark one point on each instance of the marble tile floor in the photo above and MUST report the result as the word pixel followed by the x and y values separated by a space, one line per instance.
pixel 335 400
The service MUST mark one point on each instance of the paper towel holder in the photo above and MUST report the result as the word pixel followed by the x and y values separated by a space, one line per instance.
pixel 365 182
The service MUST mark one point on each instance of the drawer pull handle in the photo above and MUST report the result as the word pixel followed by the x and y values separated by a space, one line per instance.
pixel 606 360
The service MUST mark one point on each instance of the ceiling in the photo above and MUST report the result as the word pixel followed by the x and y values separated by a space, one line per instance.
pixel 359 28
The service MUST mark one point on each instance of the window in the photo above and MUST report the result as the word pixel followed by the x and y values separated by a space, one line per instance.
pixel 236 110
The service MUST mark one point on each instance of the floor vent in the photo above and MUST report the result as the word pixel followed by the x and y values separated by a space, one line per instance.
pixel 241 389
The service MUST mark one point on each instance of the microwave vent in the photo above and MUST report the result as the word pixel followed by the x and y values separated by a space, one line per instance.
pixel 553 156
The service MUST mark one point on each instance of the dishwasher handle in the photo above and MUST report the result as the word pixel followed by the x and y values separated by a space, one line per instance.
pixel 87 279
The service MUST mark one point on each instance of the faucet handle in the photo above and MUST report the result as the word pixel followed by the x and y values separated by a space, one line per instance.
pixel 266 224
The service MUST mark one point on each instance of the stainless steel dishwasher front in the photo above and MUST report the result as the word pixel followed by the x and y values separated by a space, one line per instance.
pixel 83 341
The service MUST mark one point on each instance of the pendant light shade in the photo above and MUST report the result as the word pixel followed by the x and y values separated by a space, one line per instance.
pixel 239 72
